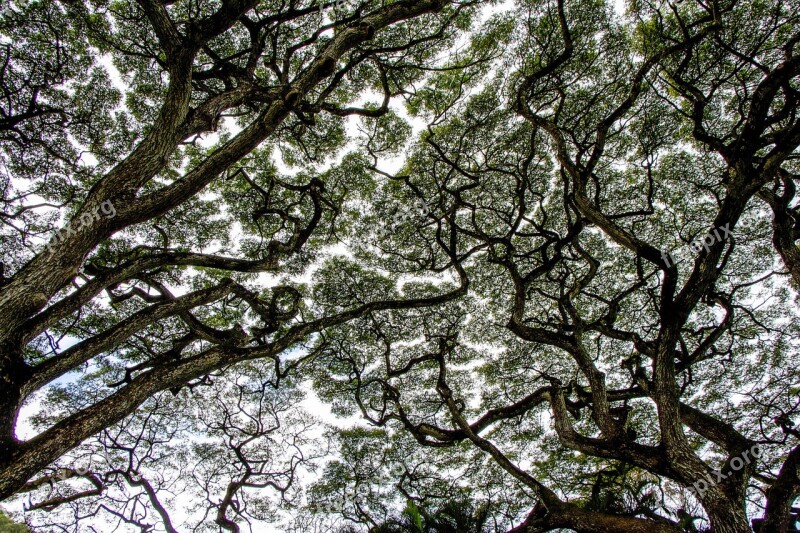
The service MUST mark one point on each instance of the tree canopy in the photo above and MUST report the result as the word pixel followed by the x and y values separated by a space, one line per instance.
pixel 380 265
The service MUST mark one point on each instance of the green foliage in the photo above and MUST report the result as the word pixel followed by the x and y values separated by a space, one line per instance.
pixel 454 516
pixel 9 526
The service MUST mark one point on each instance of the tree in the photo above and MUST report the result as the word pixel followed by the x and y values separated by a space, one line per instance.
pixel 144 289
pixel 587 322
pixel 560 187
